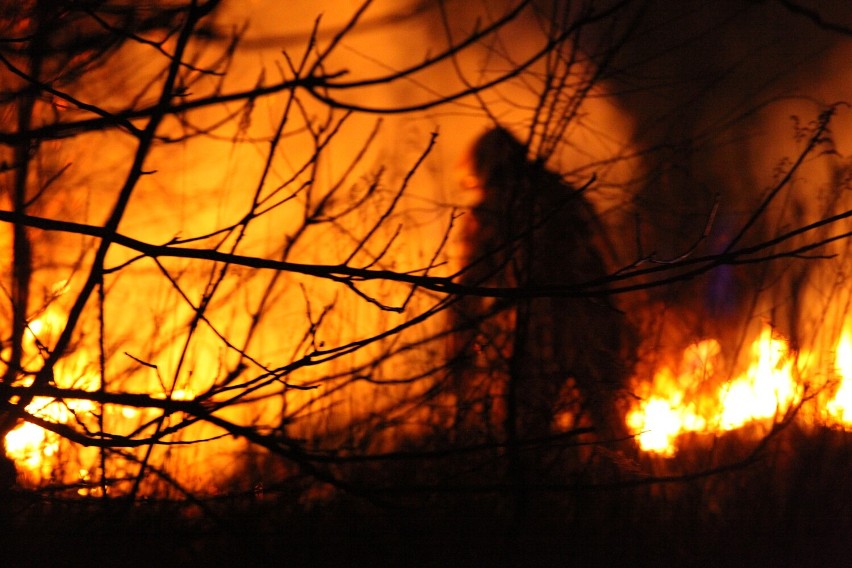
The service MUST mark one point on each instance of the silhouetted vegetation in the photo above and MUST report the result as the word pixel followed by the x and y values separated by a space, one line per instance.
pixel 251 314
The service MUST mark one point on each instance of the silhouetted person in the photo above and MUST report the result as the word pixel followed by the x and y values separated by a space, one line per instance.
pixel 529 229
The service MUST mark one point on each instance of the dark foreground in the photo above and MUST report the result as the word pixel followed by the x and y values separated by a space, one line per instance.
pixel 791 506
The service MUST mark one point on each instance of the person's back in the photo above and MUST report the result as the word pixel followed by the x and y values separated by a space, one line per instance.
pixel 530 230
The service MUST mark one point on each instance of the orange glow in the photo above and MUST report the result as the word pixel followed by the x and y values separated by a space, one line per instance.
pixel 28 446
pixel 259 327
pixel 33 448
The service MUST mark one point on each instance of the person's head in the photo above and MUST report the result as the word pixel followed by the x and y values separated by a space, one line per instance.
pixel 498 158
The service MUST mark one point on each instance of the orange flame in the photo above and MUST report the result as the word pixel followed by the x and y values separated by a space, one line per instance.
pixel 677 401
pixel 837 410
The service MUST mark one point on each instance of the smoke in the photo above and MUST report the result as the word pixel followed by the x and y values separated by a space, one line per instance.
pixel 722 99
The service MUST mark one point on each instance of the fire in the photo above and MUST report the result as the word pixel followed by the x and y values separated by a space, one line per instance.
pixel 768 387
pixel 697 395
pixel 668 409
pixel 28 446
pixel 678 400
pixel 33 447
pixel 837 410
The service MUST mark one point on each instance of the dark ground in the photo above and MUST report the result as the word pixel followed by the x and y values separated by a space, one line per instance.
pixel 790 507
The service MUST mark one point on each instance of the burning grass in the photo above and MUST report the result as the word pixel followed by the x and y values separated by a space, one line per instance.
pixel 700 395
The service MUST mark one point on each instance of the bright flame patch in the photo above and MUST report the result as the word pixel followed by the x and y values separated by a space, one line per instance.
pixel 678 400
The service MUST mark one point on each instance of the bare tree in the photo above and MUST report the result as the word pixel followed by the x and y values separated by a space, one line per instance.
pixel 135 390
pixel 215 273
